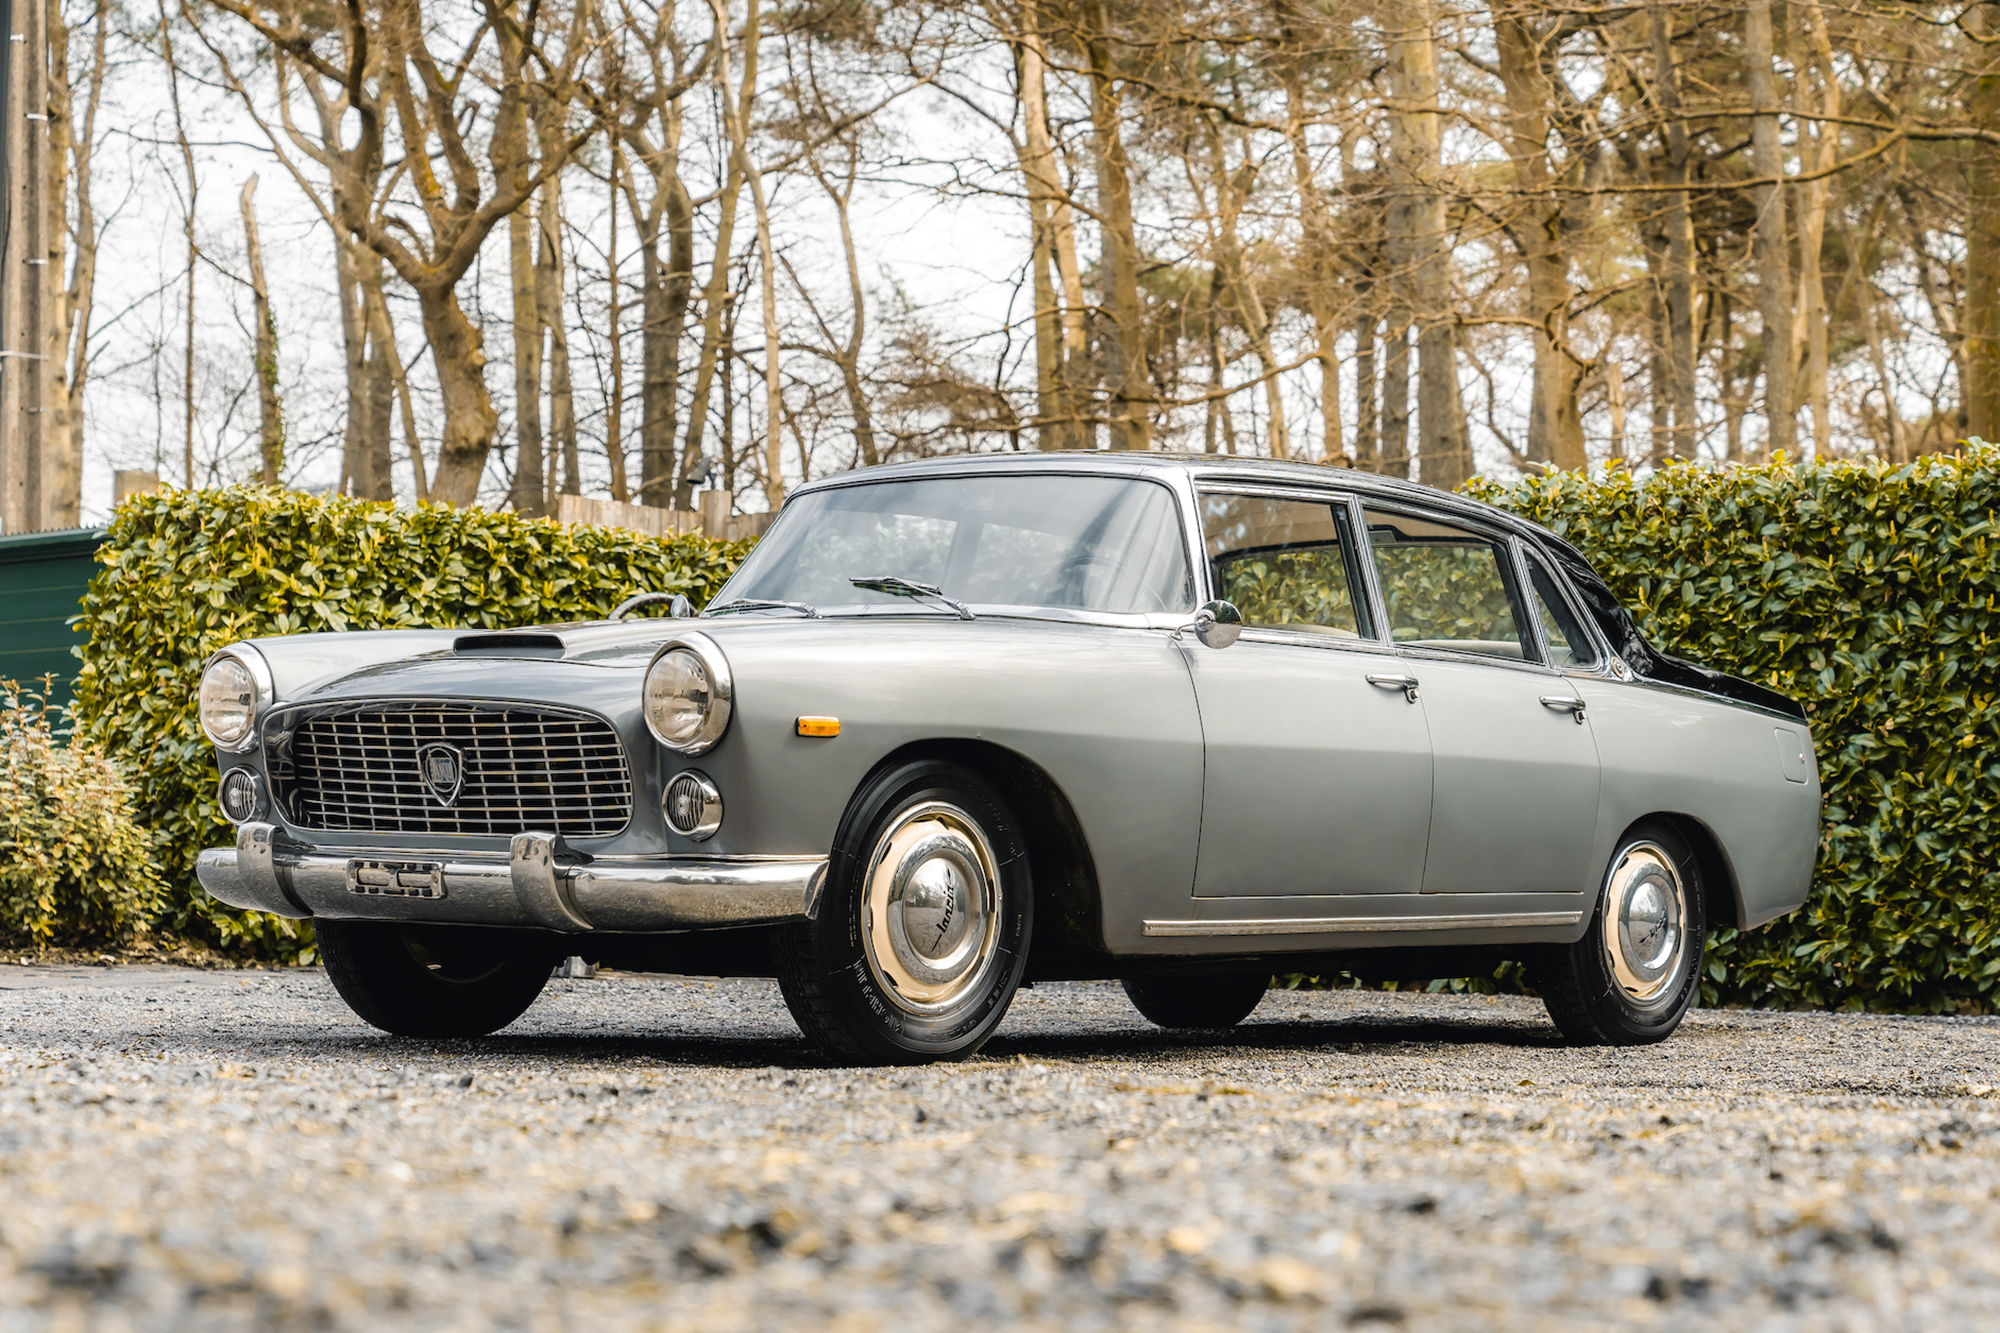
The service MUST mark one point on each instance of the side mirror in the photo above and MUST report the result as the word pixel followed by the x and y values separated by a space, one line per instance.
pixel 1216 624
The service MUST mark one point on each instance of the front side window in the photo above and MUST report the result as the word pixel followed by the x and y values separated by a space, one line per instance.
pixel 1085 543
pixel 1569 645
pixel 1284 563
pixel 1445 586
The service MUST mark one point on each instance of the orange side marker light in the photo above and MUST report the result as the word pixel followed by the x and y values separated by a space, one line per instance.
pixel 819 726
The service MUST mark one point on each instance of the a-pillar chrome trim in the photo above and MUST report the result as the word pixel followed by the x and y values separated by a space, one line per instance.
pixel 541 883
pixel 1344 925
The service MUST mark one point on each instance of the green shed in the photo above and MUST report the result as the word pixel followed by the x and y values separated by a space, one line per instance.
pixel 42 579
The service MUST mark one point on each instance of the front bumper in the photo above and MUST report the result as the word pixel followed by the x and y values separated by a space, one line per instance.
pixel 540 885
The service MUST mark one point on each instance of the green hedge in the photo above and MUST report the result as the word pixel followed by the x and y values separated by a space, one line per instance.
pixel 186 572
pixel 1872 595
pixel 76 868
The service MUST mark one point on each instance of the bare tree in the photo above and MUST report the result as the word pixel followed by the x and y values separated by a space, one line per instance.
pixel 271 433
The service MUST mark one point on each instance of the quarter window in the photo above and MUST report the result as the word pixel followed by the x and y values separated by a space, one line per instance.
pixel 1284 563
pixel 1569 645
pixel 1445 586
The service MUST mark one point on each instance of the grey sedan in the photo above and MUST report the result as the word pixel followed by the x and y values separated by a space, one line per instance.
pixel 954 726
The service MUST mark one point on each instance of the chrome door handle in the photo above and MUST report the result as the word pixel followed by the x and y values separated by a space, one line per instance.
pixel 1407 684
pixel 1574 705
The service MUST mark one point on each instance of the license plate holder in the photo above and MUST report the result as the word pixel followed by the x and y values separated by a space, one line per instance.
pixel 396 879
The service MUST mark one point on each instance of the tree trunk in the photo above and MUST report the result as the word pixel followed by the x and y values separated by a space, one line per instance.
pixel 1395 457
pixel 372 479
pixel 735 117
pixel 1365 443
pixel 614 410
pixel 714 303
pixel 1982 240
pixel 549 300
pixel 1056 405
pixel 1555 428
pixel 1823 132
pixel 1677 404
pixel 1118 279
pixel 1416 162
pixel 1319 250
pixel 271 433
pixel 1773 257
pixel 510 164
pixel 850 363
pixel 68 351
pixel 457 349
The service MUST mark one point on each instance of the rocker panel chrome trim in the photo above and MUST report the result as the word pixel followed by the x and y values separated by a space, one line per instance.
pixel 1343 925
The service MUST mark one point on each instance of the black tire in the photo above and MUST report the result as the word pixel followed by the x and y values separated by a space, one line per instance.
pixel 434 981
pixel 859 983
pixel 1197 1002
pixel 1590 993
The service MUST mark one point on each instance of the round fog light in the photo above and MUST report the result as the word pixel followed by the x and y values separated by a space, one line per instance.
pixel 242 795
pixel 692 805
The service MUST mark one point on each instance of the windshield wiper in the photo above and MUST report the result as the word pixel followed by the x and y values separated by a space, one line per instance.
pixel 901 587
pixel 762 604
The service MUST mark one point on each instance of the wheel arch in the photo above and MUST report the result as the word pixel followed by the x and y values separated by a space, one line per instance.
pixel 1069 919
pixel 1722 894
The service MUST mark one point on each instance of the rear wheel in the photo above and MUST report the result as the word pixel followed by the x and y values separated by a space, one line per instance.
pixel 1197 1002
pixel 1632 977
pixel 923 928
pixel 433 981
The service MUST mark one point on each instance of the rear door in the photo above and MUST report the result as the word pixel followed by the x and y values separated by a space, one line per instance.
pixel 1317 775
pixel 1514 797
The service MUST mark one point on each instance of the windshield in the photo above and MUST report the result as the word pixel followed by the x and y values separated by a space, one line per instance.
pixel 1085 543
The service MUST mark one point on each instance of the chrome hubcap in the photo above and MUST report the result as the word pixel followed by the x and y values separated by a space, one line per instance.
pixel 1644 921
pixel 930 912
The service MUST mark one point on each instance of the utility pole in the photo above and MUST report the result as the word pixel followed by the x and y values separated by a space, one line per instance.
pixel 24 248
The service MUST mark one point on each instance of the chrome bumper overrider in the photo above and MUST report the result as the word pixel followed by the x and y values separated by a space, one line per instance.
pixel 540 884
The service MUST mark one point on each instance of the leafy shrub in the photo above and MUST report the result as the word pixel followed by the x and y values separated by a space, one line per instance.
pixel 75 866
pixel 1872 595
pixel 187 572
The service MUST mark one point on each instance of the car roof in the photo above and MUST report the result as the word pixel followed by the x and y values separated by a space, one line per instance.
pixel 1227 468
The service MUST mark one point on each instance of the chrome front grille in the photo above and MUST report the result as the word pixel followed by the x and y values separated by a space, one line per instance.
pixel 358 770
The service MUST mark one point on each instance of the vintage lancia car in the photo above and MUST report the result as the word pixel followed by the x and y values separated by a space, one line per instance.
pixel 960 725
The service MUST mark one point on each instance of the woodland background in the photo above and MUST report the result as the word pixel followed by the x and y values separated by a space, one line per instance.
pixel 511 248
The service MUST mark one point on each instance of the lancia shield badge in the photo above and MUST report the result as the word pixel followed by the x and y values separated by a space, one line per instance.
pixel 443 770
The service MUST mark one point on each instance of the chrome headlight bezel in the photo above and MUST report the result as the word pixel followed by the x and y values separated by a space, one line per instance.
pixel 705 798
pixel 261 690
pixel 721 693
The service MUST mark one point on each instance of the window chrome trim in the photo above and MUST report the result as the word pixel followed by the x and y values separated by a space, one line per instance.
pixel 1353 552
pixel 1511 572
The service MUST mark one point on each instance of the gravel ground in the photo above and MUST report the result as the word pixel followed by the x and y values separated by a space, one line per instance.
pixel 225 1150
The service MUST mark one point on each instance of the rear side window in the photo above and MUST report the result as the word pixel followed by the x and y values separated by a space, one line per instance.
pixel 1285 564
pixel 1569 645
pixel 1446 587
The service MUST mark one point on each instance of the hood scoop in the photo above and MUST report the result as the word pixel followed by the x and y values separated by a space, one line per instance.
pixel 509 643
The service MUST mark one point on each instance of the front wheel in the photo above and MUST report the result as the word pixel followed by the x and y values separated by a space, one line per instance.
pixel 1631 978
pixel 923 928
pixel 433 981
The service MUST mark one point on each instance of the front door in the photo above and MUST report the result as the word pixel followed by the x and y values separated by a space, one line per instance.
pixel 1317 779
pixel 1515 794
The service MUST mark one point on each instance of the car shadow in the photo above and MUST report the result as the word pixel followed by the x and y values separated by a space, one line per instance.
pixel 725 1050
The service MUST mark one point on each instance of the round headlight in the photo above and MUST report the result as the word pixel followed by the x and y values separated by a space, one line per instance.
pixel 228 702
pixel 687 694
